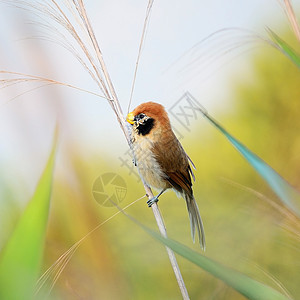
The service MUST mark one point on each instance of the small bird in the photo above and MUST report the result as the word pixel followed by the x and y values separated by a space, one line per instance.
pixel 161 160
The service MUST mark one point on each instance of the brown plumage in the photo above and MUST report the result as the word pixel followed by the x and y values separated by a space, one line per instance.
pixel 161 160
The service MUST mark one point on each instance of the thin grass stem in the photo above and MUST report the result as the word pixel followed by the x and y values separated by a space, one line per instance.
pixel 292 18
pixel 146 22
pixel 59 265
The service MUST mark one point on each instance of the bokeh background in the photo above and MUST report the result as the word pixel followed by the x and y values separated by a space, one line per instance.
pixel 247 85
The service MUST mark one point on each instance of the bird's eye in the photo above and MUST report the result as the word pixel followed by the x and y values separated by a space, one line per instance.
pixel 141 116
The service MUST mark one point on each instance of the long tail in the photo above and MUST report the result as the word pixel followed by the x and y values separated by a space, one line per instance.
pixel 195 219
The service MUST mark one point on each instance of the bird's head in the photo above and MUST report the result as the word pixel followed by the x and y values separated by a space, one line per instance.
pixel 147 117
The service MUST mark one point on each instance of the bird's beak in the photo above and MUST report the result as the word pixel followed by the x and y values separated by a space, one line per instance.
pixel 130 118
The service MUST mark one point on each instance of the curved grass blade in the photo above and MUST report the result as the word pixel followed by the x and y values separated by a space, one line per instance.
pixel 245 285
pixel 20 260
pixel 285 48
pixel 288 194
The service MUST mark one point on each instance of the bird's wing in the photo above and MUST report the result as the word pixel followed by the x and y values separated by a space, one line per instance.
pixel 179 181
pixel 174 163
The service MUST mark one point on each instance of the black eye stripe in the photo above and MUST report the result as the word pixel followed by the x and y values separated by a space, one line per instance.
pixel 145 127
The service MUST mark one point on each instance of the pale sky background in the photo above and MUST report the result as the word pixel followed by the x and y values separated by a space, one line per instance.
pixel 27 123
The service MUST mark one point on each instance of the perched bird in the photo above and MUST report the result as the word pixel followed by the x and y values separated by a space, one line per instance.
pixel 161 161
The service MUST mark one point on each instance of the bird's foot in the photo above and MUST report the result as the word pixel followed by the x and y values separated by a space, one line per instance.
pixel 152 200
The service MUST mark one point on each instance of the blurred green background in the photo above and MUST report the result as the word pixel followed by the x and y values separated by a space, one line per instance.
pixel 119 260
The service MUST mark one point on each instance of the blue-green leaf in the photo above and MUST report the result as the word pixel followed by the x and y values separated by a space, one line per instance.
pixel 245 285
pixel 20 260
pixel 288 194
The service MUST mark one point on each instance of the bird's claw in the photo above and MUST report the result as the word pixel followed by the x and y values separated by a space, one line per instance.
pixel 152 200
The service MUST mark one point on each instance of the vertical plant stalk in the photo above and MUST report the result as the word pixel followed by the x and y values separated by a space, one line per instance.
pixel 118 111
pixel 172 258
pixel 113 96
pixel 163 232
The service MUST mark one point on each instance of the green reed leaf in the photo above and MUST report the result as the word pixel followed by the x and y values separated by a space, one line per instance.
pixel 21 257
